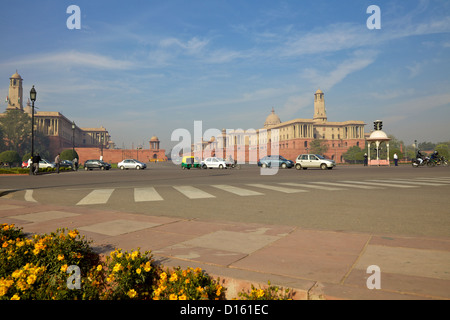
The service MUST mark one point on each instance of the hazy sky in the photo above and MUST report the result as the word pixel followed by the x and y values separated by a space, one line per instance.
pixel 144 68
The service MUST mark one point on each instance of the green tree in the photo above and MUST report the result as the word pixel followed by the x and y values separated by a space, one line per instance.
pixel 354 154
pixel 443 150
pixel 68 154
pixel 318 146
pixel 16 127
pixel 10 157
pixel 427 146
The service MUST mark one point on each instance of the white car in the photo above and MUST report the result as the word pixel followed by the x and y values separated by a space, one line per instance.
pixel 213 162
pixel 46 164
pixel 131 164
pixel 305 161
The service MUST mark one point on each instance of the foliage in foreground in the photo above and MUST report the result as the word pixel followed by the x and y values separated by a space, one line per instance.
pixel 39 268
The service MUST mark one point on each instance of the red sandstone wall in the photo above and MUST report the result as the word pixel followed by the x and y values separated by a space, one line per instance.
pixel 117 155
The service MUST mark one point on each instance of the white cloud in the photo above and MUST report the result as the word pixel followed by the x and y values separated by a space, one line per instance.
pixel 72 59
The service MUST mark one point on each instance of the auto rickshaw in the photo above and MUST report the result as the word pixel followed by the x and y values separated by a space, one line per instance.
pixel 190 162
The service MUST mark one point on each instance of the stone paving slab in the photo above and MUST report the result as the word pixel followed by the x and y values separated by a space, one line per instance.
pixel 318 264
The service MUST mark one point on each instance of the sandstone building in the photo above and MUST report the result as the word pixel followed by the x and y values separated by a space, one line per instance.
pixel 62 133
pixel 293 137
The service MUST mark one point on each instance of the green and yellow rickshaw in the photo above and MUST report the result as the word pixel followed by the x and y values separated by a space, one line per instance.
pixel 190 162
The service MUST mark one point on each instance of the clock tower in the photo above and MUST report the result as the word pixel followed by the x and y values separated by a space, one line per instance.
pixel 15 94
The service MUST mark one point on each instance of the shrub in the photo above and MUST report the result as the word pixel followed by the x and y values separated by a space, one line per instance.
pixel 35 268
pixel 269 293
pixel 68 154
pixel 9 157
pixel 189 284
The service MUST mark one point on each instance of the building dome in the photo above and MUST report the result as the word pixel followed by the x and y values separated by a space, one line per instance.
pixel 319 91
pixel 378 135
pixel 154 138
pixel 16 76
pixel 272 120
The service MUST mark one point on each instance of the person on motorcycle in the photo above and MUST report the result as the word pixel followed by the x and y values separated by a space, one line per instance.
pixel 435 156
pixel 419 157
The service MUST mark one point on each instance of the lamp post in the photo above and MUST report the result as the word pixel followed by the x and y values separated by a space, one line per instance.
pixel 33 99
pixel 101 145
pixel 73 137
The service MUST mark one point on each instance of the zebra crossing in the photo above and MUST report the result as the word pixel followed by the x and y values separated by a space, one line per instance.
pixel 150 194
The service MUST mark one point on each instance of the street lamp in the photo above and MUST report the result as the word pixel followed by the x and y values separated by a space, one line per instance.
pixel 73 137
pixel 101 139
pixel 33 99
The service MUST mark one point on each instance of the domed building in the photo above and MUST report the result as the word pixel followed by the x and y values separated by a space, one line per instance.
pixel 291 138
pixel 272 120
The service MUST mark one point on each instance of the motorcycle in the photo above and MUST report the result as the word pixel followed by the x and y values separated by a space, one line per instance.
pixel 416 162
pixel 441 161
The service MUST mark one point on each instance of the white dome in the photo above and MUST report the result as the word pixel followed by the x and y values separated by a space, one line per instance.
pixel 378 135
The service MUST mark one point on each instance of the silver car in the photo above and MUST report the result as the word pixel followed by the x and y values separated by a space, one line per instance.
pixel 305 161
pixel 131 164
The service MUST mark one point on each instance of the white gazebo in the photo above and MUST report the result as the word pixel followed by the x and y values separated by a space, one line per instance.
pixel 378 137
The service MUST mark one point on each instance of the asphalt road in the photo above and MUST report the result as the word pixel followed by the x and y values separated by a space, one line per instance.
pixel 403 200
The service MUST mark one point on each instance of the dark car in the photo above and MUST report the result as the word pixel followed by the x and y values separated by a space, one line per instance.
pixel 275 161
pixel 96 164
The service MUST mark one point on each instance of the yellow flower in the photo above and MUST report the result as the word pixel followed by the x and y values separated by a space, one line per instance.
pixel 138 270
pixel 15 297
pixel 163 276
pixel 64 268
pixel 173 297
pixel 20 244
pixel 132 293
pixel 73 233
pixel 60 257
pixel 187 281
pixel 219 289
pixel 260 293
pixel 99 267
pixel 117 267
pixel 31 279
pixel 174 277
pixel 147 267
pixel 134 255
pixel 5 244
pixel 182 297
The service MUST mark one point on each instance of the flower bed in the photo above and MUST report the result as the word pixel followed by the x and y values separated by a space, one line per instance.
pixel 41 267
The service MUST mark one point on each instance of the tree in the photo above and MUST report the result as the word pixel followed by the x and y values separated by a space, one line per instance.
pixel 318 146
pixel 427 146
pixel 9 157
pixel 355 154
pixel 443 150
pixel 68 154
pixel 16 127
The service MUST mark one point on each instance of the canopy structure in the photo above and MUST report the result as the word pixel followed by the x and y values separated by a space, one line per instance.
pixel 377 137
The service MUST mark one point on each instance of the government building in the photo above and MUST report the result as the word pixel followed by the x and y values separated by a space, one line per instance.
pixel 90 143
pixel 62 133
pixel 291 138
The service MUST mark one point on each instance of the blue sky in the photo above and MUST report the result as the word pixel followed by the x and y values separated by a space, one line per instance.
pixel 144 68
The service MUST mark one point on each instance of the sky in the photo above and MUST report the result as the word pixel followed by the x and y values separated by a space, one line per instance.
pixel 145 68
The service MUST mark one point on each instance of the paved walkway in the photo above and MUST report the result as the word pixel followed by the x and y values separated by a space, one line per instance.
pixel 317 264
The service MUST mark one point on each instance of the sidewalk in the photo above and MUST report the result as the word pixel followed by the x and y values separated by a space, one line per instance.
pixel 316 264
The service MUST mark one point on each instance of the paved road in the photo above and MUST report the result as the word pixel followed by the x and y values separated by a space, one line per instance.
pixel 386 200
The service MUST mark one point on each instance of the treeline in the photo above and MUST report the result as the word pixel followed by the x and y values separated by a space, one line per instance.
pixel 356 154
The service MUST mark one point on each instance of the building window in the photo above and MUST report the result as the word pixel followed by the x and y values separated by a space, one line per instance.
pixel 306 144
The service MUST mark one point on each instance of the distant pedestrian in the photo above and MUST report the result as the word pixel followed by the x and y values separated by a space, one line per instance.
pixel 365 159
pixel 36 159
pixel 75 164
pixel 396 159
pixel 57 163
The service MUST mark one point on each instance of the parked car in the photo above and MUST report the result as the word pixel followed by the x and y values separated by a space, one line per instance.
pixel 305 161
pixel 66 164
pixel 275 161
pixel 46 164
pixel 96 164
pixel 190 162
pixel 131 164
pixel 213 162
pixel 25 164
